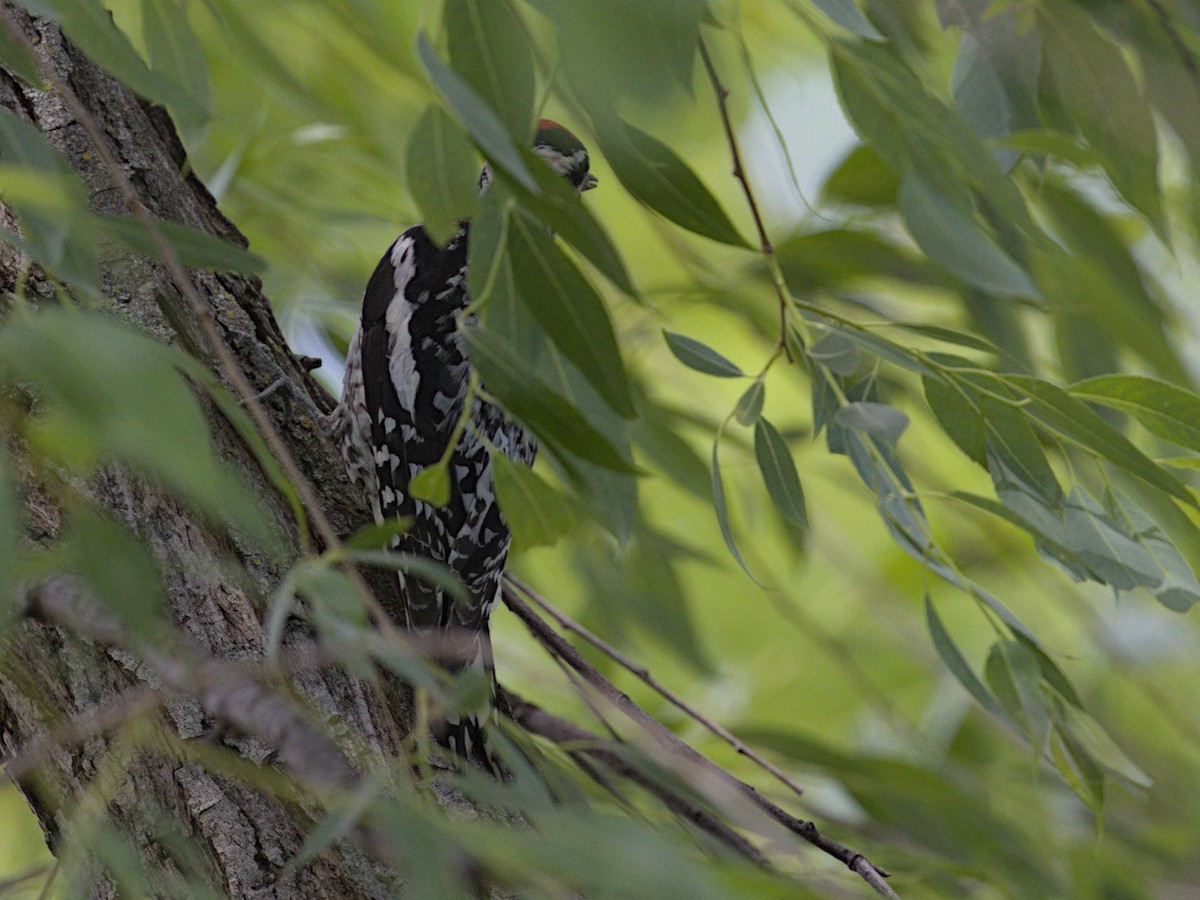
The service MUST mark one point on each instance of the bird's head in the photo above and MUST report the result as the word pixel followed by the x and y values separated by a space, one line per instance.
pixel 565 153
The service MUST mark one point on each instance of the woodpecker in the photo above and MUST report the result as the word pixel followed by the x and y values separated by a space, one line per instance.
pixel 404 393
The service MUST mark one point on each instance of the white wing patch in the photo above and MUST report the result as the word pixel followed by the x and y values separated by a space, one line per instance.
pixel 401 363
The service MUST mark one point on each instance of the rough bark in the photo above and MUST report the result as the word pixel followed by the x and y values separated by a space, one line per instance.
pixel 48 674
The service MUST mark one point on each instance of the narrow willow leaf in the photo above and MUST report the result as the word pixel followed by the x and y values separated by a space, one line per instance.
pixel 379 535
pixel 1174 584
pixel 428 570
pixel 177 57
pixel 878 419
pixel 568 309
pixel 560 206
pixel 862 179
pixel 489 48
pixel 699 356
pixel 536 404
pixel 340 821
pixel 537 513
pixel 841 257
pixel 722 511
pixel 132 590
pixel 1099 745
pixel 53 210
pixel 10 537
pixel 1101 94
pixel 195 249
pixel 779 472
pixel 655 175
pixel 1060 412
pixel 958 666
pixel 847 14
pixel 960 416
pixel 1169 411
pixel 91 26
pixel 16 59
pixel 442 173
pixel 836 352
pixel 955 241
pixel 432 484
pixel 112 388
pixel 749 406
pixel 487 130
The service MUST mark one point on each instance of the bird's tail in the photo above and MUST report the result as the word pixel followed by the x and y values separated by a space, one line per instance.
pixel 464 733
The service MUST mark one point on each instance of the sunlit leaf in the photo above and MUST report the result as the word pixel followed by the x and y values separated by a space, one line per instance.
pixel 699 356
pixel 862 179
pixel 432 484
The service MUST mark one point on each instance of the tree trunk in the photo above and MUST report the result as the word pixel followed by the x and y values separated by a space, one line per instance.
pixel 49 675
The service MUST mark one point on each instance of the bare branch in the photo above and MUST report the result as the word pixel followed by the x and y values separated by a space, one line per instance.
pixel 643 674
pixel 676 750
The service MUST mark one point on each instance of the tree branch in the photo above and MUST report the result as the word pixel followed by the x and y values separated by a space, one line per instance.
pixel 677 750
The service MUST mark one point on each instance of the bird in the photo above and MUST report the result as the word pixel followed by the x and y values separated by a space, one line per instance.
pixel 404 398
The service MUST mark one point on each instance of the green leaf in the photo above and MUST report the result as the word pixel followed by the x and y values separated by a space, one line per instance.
pixel 842 257
pixel 1101 94
pixel 16 59
pixel 132 590
pixel 955 241
pixel 958 666
pixel 489 48
pixel 1099 745
pixel 560 207
pixel 11 530
pixel 861 179
pixel 195 249
pixel 960 416
pixel 91 27
pixel 483 124
pixel 442 173
pixel 432 484
pixel 779 472
pixel 847 14
pixel 836 352
pixel 749 406
pixel 722 511
pixel 537 513
pixel 1170 412
pixel 51 203
pixel 568 309
pixel 656 176
pixel 1173 582
pixel 114 393
pixel 536 404
pixel 699 356
pixel 177 57
pixel 1060 412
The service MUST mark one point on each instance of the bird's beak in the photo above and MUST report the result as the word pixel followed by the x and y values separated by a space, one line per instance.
pixel 589 182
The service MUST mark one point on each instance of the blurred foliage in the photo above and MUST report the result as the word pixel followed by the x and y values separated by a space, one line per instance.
pixel 961 613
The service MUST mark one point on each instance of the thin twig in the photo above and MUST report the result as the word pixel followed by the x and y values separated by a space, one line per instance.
pixel 537 721
pixel 643 674
pixel 678 750
pixel 739 172
pixel 203 313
